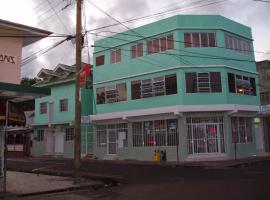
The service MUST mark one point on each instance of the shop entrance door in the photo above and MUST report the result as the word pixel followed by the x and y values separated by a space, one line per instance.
pixel 59 143
pixel 112 142
pixel 205 138
pixel 49 142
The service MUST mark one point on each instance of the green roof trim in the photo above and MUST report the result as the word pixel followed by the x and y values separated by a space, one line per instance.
pixel 25 88
pixel 19 93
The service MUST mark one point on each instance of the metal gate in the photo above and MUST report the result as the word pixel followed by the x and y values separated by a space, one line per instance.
pixel 205 137
pixel 2 145
pixel 112 142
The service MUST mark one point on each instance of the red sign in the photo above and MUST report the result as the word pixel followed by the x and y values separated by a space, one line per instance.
pixel 85 72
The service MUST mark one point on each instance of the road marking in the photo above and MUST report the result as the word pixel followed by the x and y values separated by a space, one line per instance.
pixel 40 168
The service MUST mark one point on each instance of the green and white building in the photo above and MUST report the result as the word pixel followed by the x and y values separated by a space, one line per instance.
pixel 55 115
pixel 186 84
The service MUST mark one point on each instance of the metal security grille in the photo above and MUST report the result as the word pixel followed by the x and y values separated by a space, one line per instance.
pixel 205 135
pixel 203 82
pixel 101 133
pixel 146 88
pixel 1 159
pixel 155 133
pixel 159 86
pixel 111 94
pixel 112 136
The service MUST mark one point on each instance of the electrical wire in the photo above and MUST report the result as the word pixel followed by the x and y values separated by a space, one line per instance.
pixel 197 55
pixel 85 35
pixel 152 16
pixel 58 17
pixel 177 41
pixel 35 55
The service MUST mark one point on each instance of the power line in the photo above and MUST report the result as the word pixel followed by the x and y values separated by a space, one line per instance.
pixel 48 17
pixel 119 22
pixel 154 15
pixel 49 9
pixel 86 37
pixel 33 36
pixel 178 41
pixel 58 16
pixel 199 55
pixel 35 55
pixel 42 2
pixel 262 1
pixel 101 10
pixel 215 57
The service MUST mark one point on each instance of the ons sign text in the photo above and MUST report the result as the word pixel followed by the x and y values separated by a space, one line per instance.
pixel 7 59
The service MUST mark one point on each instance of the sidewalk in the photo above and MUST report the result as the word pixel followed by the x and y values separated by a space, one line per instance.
pixel 200 163
pixel 27 184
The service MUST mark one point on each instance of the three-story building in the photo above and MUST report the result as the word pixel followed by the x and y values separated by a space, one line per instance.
pixel 186 84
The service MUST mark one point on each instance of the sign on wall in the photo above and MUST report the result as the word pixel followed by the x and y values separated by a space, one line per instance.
pixel 5 58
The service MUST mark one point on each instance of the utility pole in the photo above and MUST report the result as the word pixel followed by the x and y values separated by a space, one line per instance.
pixel 77 143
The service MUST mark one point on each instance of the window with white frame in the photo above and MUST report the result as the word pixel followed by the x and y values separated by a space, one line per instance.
pixel 111 94
pixel 137 50
pixel 199 40
pixel 157 86
pixel 160 44
pixel 237 44
pixel 43 108
pixel 241 129
pixel 40 135
pixel 199 82
pixel 241 84
pixel 63 105
pixel 155 133
pixel 116 56
pixel 70 134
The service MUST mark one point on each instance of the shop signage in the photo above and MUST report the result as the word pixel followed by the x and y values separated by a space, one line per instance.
pixel 7 58
pixel 265 109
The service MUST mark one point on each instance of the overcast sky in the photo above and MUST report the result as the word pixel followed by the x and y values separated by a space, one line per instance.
pixel 52 15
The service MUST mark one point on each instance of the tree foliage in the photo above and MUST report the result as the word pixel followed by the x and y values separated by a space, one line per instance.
pixel 29 81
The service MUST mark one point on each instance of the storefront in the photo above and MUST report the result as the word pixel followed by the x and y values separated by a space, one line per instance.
pixel 265 113
pixel 12 120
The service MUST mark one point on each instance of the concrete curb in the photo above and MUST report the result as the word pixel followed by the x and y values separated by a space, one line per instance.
pixel 72 188
pixel 105 178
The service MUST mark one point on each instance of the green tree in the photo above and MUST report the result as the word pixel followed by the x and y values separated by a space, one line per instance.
pixel 29 81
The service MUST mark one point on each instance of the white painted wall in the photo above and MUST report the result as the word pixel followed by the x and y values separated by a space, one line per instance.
pixel 10 66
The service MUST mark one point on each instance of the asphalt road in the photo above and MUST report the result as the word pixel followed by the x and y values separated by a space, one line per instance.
pixel 164 182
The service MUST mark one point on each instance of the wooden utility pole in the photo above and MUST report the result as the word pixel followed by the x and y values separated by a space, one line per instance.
pixel 77 142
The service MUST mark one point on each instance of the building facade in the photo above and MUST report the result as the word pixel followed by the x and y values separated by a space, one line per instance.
pixel 12 119
pixel 55 115
pixel 186 85
pixel 11 48
pixel 263 68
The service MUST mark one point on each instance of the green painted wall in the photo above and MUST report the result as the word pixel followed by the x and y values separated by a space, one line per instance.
pixel 178 61
pixel 63 91
pixel 184 58
pixel 181 98
pixel 58 92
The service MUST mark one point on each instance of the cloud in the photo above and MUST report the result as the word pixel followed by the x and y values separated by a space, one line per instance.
pixel 40 14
